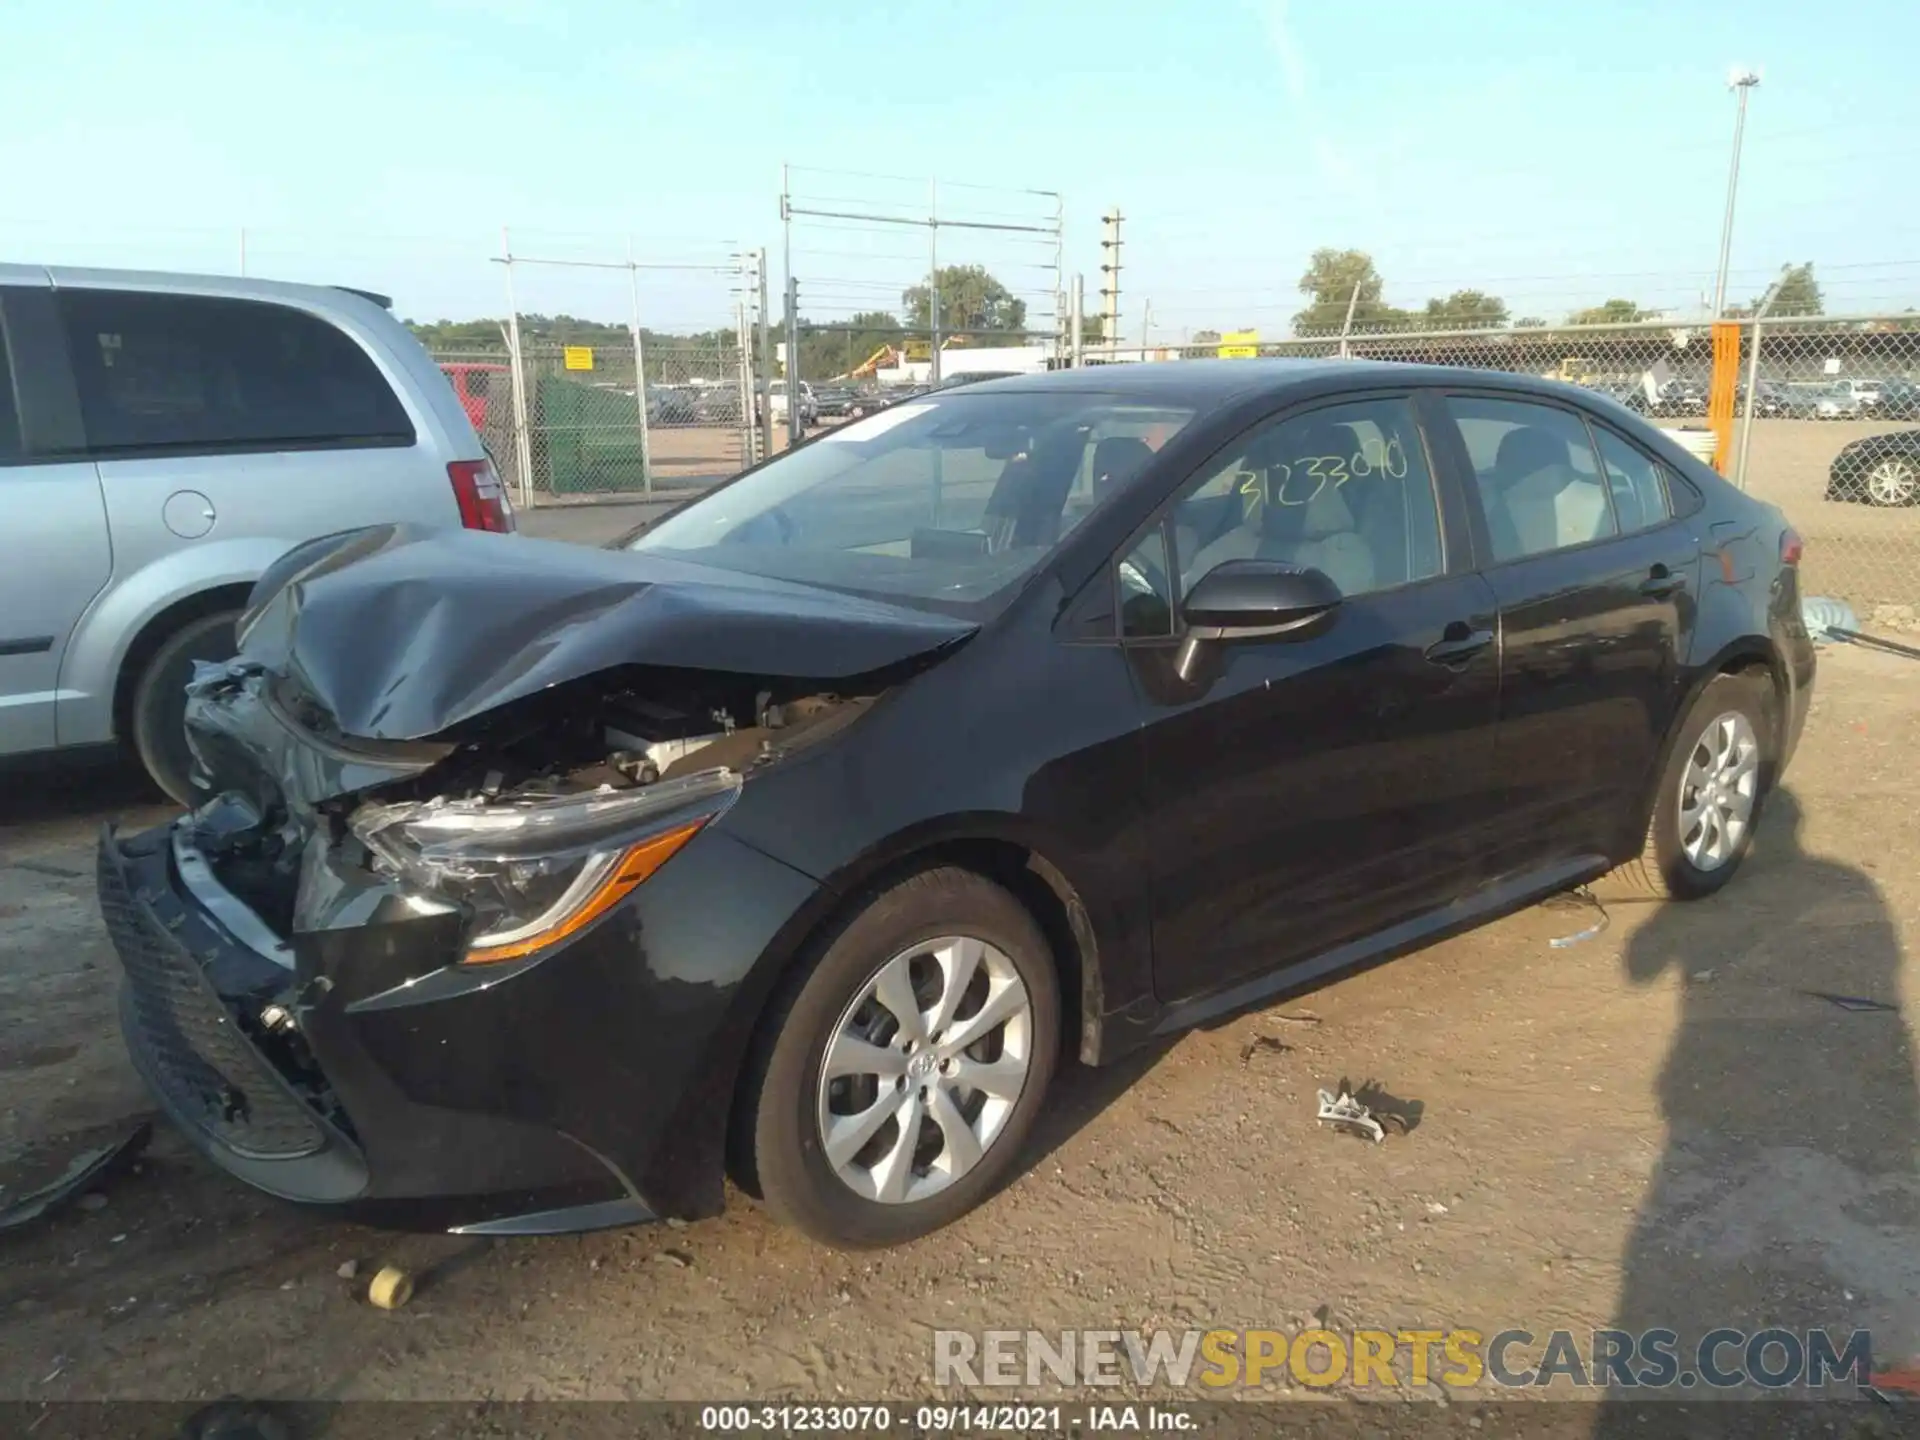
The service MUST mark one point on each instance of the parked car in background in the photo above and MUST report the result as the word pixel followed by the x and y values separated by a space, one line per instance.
pixel 1879 470
pixel 804 832
pixel 1837 402
pixel 165 438
pixel 1770 400
pixel 1899 399
pixel 974 377
pixel 777 402
pixel 834 402
pixel 1681 396
pixel 874 401
pixel 1864 393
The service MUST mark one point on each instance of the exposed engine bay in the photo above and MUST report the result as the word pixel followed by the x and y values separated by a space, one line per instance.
pixel 276 769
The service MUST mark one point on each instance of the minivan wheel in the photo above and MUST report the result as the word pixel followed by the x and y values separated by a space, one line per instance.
pixel 906 1068
pixel 1710 794
pixel 158 721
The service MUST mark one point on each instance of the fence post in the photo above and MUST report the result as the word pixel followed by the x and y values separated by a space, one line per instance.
pixel 522 435
pixel 743 381
pixel 1753 379
pixel 1346 325
pixel 1076 326
pixel 763 382
pixel 640 378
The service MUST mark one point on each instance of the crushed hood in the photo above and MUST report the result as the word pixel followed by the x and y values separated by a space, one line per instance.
pixel 401 632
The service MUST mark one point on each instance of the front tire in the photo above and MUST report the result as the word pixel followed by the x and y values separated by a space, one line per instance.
pixel 1710 795
pixel 906 1067
pixel 158 719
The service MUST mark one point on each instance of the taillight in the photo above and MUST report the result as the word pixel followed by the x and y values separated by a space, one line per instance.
pixel 1790 546
pixel 481 497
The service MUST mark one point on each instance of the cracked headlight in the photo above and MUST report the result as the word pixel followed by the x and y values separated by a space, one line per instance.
pixel 532 872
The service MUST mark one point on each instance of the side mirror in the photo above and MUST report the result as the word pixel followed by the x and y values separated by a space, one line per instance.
pixel 1252 600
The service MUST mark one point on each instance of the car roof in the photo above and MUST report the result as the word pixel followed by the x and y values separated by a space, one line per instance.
pixel 1211 384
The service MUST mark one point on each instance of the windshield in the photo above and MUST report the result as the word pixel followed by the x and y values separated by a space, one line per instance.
pixel 944 502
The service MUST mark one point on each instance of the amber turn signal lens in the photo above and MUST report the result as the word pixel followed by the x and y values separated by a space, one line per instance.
pixel 636 865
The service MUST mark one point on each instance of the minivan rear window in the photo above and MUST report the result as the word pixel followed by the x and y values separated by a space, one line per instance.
pixel 9 412
pixel 172 373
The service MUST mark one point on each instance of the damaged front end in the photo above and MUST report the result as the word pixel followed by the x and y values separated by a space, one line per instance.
pixel 295 943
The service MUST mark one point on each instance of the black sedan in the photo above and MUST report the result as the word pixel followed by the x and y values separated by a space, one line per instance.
pixel 1880 470
pixel 535 886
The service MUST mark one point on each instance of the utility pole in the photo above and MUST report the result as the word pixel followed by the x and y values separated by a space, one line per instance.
pixel 1110 278
pixel 1741 81
pixel 1076 335
pixel 765 386
pixel 1146 328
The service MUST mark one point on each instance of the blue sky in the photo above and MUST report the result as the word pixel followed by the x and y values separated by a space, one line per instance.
pixel 1552 153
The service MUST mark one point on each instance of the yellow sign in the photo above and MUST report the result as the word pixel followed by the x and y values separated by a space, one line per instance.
pixel 579 357
pixel 919 349
pixel 1239 345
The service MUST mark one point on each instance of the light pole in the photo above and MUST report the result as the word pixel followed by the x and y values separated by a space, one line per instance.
pixel 1740 80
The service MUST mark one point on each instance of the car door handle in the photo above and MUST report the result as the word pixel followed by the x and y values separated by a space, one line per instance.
pixel 1662 583
pixel 1458 645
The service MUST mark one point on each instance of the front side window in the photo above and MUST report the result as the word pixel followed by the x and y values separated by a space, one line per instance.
pixel 1345 490
pixel 946 500
pixel 187 372
pixel 1637 483
pixel 1541 487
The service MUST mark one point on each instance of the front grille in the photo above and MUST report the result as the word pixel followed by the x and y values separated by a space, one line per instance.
pixel 189 1046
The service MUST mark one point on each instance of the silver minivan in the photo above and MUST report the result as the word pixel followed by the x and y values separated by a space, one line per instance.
pixel 163 438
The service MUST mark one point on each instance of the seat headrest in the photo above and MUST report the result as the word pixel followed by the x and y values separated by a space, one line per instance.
pixel 1117 459
pixel 1527 451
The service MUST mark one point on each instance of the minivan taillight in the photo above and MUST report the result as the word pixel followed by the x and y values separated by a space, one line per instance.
pixel 1791 546
pixel 481 497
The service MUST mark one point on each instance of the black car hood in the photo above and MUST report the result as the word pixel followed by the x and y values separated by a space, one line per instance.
pixel 401 632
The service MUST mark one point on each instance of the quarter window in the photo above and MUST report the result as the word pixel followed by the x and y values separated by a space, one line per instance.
pixel 179 372
pixel 1540 483
pixel 1146 589
pixel 1637 483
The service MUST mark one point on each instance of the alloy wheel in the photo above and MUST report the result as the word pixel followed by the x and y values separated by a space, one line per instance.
pixel 1718 791
pixel 1892 482
pixel 923 1069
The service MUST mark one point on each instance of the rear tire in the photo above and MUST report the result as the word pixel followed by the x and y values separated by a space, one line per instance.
pixel 1709 798
pixel 158 721
pixel 915 1144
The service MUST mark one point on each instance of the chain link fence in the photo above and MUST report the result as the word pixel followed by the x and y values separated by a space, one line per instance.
pixel 1826 419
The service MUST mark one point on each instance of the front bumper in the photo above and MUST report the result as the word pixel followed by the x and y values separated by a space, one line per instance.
pixel 582 1087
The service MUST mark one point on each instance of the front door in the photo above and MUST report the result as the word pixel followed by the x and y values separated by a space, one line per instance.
pixel 1312 789
pixel 1596 584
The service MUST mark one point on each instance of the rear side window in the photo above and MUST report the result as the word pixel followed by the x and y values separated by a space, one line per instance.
pixel 172 373
pixel 1541 487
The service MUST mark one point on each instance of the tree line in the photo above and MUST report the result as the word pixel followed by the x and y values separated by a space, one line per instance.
pixel 1335 279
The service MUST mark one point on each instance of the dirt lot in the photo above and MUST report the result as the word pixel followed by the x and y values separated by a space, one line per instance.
pixel 1650 1127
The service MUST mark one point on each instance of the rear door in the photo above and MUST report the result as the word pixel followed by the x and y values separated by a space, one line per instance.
pixel 57 553
pixel 1596 584
pixel 1313 789
pixel 214 418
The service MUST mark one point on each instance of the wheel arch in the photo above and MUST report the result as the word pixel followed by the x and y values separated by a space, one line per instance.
pixel 1747 655
pixel 995 847
pixel 155 633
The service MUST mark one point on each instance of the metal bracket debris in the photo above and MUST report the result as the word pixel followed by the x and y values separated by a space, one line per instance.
pixel 1344 1112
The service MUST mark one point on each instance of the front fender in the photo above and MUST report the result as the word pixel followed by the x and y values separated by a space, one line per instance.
pixel 90 669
